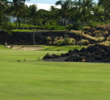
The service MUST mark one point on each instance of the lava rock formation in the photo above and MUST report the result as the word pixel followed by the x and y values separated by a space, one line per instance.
pixel 94 53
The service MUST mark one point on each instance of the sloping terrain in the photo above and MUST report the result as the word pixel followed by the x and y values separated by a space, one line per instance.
pixel 97 34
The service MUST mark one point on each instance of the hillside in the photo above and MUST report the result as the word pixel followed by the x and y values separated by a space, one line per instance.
pixel 98 34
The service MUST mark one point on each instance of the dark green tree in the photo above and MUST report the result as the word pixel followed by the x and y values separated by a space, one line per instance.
pixel 106 6
pixel 17 9
pixel 4 19
pixel 65 10
pixel 32 18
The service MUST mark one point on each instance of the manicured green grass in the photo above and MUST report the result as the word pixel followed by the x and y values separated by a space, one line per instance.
pixel 3 47
pixel 22 30
pixel 14 55
pixel 40 80
pixel 31 30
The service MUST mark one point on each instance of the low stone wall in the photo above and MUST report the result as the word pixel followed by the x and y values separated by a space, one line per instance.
pixel 26 38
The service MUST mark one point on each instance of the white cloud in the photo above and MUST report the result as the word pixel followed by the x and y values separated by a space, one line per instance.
pixel 43 6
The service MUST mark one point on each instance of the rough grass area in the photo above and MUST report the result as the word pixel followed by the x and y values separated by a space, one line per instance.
pixel 97 39
pixel 39 80
pixel 22 30
pixel 106 43
pixel 62 48
pixel 44 47
pixel 31 30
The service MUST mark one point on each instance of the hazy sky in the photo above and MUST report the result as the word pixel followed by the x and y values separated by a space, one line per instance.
pixel 44 4
pixel 45 1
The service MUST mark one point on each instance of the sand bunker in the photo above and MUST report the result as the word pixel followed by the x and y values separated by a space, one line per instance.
pixel 25 47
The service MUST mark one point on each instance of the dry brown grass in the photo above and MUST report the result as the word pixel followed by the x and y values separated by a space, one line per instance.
pixel 107 43
pixel 101 38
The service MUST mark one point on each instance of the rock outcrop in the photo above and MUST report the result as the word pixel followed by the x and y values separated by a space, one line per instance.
pixel 94 53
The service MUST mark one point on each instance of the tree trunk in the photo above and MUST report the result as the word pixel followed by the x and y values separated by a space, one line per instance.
pixel 81 39
pixel 18 20
pixel 34 42
pixel 82 32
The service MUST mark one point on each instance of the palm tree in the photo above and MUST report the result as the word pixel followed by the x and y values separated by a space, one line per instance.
pixel 106 5
pixel 3 16
pixel 85 8
pixel 97 13
pixel 43 16
pixel 17 2
pixel 32 17
pixel 17 9
pixel 25 16
pixel 3 4
pixel 65 9
pixel 53 15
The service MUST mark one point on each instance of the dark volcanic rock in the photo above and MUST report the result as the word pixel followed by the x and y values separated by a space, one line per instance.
pixel 94 53
pixel 74 57
pixel 47 56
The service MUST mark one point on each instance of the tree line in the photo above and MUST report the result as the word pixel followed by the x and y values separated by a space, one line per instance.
pixel 73 14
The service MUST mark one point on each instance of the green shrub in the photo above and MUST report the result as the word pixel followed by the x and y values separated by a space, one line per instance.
pixel 64 41
pixel 83 42
pixel 85 29
pixel 26 26
pixel 59 42
pixel 72 41
pixel 75 26
pixel 39 27
pixel 108 38
pixel 107 21
pixel 13 25
pixel 54 27
pixel 99 39
pixel 98 33
pixel 95 24
pixel 49 40
pixel 56 38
